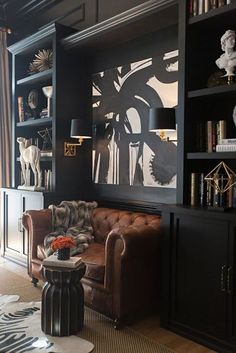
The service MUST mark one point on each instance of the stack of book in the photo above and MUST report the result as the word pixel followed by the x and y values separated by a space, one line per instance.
pixel 198 7
pixel 52 260
pixel 226 145
pixel 46 153
pixel 44 113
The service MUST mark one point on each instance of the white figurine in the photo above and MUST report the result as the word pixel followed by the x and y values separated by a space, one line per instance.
pixel 234 115
pixel 29 156
pixel 227 60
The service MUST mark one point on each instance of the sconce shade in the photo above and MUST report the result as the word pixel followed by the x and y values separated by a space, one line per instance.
pixel 79 128
pixel 161 119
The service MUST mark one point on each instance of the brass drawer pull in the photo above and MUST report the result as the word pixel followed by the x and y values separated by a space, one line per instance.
pixel 222 278
pixel 228 279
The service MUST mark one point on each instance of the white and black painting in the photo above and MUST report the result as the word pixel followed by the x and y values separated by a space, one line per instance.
pixel 125 152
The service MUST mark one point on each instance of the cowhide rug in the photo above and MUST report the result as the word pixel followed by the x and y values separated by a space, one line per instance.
pixel 20 331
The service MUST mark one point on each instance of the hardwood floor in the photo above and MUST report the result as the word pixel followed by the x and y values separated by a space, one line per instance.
pixel 149 327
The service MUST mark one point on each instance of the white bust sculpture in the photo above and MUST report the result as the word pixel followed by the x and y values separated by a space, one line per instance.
pixel 227 60
pixel 29 156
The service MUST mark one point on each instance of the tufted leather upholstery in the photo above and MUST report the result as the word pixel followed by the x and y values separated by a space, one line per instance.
pixel 121 276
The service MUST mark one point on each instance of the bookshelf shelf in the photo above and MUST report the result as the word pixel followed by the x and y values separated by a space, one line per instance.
pixel 35 122
pixel 213 91
pixel 36 78
pixel 212 155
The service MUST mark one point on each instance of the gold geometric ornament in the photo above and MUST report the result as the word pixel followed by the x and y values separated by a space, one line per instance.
pixel 227 178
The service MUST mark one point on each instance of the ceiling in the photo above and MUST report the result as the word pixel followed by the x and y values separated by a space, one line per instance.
pixel 25 16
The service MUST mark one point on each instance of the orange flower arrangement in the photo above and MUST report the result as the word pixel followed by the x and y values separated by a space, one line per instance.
pixel 62 242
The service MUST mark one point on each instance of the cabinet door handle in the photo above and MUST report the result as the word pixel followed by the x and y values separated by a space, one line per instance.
pixel 229 279
pixel 222 278
pixel 20 227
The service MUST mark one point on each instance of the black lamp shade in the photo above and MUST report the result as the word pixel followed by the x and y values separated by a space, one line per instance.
pixel 79 128
pixel 161 119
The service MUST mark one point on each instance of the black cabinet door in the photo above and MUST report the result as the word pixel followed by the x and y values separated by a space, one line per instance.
pixel 231 284
pixel 199 273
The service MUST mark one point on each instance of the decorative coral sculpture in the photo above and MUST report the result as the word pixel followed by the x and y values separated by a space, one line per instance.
pixel 43 61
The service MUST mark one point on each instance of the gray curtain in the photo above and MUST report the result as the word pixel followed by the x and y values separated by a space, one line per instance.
pixel 5 114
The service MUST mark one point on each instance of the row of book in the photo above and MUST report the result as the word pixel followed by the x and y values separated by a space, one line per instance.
pixel 198 7
pixel 46 179
pixel 210 194
pixel 210 134
pixel 72 262
pixel 46 153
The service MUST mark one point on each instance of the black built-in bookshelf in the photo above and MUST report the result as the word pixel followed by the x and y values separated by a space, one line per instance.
pixel 63 178
pixel 204 102
pixel 198 263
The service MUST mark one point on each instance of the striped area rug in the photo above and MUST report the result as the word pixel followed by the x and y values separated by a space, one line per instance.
pixel 97 328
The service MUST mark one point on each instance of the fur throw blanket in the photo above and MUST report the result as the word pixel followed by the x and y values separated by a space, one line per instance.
pixel 71 218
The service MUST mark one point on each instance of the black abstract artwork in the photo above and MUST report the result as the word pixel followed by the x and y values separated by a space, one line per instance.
pixel 124 151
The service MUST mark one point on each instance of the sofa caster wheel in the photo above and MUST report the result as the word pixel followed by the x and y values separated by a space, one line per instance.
pixel 34 281
pixel 117 324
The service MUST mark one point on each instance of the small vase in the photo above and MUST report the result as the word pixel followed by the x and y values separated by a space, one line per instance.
pixel 63 254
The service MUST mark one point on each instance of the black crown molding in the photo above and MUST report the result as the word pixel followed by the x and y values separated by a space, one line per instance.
pixel 26 43
pixel 130 16
pixel 43 34
pixel 33 8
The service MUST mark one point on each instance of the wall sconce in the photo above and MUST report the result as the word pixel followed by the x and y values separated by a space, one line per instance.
pixel 161 120
pixel 79 130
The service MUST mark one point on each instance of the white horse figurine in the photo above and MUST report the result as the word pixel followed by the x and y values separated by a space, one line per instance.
pixel 29 156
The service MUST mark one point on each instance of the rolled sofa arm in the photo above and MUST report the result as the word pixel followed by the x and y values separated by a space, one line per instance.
pixel 132 271
pixel 37 224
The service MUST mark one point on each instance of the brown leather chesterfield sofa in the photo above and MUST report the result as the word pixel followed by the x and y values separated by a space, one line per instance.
pixel 121 278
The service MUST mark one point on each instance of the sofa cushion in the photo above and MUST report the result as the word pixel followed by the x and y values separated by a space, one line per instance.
pixel 93 257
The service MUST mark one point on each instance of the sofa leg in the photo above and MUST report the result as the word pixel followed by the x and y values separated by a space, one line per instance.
pixel 117 324
pixel 34 281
